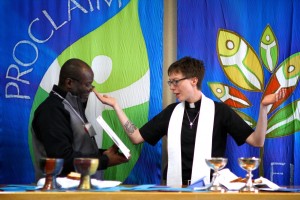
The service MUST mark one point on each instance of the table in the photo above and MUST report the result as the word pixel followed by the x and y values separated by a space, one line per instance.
pixel 129 195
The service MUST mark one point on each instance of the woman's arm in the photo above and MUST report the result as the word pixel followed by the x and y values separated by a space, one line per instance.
pixel 257 138
pixel 132 131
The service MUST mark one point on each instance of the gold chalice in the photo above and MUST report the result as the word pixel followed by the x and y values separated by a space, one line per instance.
pixel 86 167
pixel 216 164
pixel 51 167
pixel 249 164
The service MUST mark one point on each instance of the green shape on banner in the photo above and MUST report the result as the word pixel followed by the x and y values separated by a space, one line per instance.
pixel 122 40
pixel 285 121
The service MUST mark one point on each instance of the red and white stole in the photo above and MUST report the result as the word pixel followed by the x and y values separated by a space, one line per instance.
pixel 203 143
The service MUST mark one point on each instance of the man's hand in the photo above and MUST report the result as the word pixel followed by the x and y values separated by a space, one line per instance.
pixel 114 156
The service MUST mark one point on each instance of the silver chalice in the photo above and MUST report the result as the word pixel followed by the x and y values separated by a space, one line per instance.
pixel 216 164
pixel 249 164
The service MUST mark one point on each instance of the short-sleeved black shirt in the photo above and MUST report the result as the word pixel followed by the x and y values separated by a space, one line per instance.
pixel 226 122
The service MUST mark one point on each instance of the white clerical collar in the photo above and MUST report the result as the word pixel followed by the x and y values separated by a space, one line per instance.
pixel 192 105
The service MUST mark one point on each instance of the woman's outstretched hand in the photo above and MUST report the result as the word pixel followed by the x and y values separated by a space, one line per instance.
pixel 273 98
pixel 105 99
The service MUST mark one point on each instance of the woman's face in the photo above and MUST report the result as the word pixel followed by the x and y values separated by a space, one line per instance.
pixel 181 86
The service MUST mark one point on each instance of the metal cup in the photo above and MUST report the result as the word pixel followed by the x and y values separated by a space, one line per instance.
pixel 249 164
pixel 216 164
pixel 51 167
pixel 86 167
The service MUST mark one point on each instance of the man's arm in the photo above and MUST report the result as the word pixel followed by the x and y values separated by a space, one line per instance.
pixel 257 138
pixel 131 130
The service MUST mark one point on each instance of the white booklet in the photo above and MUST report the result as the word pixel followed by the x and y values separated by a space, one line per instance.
pixel 114 137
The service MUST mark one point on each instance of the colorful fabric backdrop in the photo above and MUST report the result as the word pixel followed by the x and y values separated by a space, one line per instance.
pixel 250 48
pixel 120 39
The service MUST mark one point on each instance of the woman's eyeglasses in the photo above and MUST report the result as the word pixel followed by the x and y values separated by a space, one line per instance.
pixel 175 82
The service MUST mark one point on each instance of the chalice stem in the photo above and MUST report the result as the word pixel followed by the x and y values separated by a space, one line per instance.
pixel 85 182
pixel 249 181
pixel 215 181
pixel 49 182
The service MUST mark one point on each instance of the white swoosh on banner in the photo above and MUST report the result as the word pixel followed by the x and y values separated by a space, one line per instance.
pixel 51 76
pixel 135 94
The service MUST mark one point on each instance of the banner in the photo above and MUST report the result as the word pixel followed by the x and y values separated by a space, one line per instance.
pixel 250 48
pixel 122 42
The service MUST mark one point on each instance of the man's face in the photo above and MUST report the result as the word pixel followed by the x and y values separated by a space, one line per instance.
pixel 83 85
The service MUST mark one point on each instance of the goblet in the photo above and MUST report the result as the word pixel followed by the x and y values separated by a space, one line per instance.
pixel 86 167
pixel 249 164
pixel 51 167
pixel 216 164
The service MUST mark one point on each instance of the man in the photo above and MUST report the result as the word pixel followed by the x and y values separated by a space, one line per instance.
pixel 197 127
pixel 60 127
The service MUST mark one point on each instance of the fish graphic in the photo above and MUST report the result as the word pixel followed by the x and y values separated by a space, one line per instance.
pixel 285 76
pixel 244 69
pixel 269 49
pixel 229 95
pixel 239 61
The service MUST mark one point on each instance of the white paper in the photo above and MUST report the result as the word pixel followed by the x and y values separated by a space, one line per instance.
pixel 114 137
pixel 70 183
pixel 226 176
pixel 268 183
